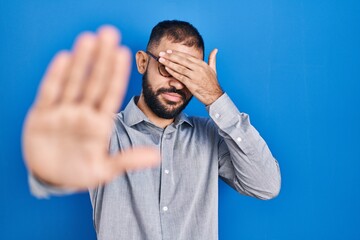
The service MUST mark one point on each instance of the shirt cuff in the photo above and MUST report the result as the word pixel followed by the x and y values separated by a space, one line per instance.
pixel 223 112
pixel 42 190
pixel 233 124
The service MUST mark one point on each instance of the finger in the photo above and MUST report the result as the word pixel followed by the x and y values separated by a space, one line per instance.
pixel 83 53
pixel 131 159
pixel 52 83
pixel 212 59
pixel 182 78
pixel 118 81
pixel 176 67
pixel 191 58
pixel 108 38
pixel 182 59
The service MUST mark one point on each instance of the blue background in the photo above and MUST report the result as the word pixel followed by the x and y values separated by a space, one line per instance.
pixel 294 66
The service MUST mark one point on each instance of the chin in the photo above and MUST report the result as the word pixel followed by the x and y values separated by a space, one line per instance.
pixel 173 104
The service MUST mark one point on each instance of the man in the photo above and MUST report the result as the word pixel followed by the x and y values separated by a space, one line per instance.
pixel 67 130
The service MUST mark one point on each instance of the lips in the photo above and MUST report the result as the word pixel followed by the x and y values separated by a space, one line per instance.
pixel 171 96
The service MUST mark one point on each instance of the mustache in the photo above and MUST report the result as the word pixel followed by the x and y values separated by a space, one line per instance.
pixel 171 90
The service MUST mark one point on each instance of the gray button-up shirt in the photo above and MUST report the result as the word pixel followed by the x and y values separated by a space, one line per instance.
pixel 179 198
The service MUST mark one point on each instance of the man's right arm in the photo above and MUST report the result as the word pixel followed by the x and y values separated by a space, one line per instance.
pixel 66 132
pixel 245 160
pixel 40 189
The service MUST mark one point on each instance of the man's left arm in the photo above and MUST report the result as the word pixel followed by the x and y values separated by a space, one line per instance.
pixel 245 161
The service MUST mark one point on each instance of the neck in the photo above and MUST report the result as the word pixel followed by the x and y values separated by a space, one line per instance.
pixel 158 121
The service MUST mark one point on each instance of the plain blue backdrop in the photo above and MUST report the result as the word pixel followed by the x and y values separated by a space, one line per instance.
pixel 293 66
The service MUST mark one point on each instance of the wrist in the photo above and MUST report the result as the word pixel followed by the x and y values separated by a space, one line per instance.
pixel 215 96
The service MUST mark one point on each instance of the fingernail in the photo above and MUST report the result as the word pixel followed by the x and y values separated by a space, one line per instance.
pixel 161 59
pixel 169 51
pixel 162 54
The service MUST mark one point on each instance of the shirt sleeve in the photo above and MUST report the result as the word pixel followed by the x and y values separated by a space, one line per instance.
pixel 245 161
pixel 43 190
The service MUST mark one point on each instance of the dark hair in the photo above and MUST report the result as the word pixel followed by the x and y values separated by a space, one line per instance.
pixel 177 32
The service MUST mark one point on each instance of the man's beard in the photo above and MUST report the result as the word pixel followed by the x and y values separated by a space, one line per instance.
pixel 167 111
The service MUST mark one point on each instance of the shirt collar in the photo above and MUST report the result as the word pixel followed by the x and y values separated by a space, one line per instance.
pixel 181 118
pixel 133 115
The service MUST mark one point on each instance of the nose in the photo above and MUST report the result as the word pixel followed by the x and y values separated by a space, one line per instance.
pixel 173 82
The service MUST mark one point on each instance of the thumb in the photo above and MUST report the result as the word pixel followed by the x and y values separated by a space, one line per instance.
pixel 131 159
pixel 212 59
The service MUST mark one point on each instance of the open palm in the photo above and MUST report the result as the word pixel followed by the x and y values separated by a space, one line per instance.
pixel 66 133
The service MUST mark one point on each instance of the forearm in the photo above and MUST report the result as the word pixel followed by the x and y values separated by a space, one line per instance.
pixel 245 161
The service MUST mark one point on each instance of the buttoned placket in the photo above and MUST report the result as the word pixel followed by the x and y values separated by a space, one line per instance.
pixel 166 182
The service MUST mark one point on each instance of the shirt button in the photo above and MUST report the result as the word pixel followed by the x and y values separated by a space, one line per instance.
pixel 168 136
pixel 165 209
pixel 217 115
pixel 167 171
pixel 239 139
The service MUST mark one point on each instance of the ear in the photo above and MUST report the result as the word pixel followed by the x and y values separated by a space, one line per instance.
pixel 141 61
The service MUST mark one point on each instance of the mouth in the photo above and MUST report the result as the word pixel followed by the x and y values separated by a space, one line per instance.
pixel 172 97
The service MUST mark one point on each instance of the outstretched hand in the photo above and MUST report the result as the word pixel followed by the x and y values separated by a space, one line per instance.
pixel 67 130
